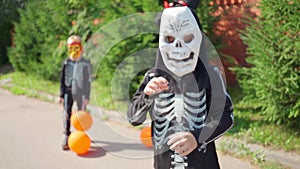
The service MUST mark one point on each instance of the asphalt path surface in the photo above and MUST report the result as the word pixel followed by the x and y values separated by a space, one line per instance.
pixel 31 136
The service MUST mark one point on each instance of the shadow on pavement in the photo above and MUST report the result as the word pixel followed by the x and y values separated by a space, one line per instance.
pixel 117 146
pixel 94 152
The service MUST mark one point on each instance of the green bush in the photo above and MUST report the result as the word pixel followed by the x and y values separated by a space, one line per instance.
pixel 45 25
pixel 271 84
pixel 41 34
pixel 8 15
pixel 42 25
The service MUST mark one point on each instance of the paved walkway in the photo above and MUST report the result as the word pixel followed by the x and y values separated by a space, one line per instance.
pixel 30 138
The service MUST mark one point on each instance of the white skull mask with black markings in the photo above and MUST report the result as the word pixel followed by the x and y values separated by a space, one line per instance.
pixel 179 41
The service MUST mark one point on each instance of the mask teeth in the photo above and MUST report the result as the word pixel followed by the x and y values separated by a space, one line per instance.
pixel 179 162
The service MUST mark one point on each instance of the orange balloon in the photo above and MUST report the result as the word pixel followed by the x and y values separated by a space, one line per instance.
pixel 81 120
pixel 146 136
pixel 79 142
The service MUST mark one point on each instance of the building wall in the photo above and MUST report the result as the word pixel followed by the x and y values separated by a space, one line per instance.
pixel 231 13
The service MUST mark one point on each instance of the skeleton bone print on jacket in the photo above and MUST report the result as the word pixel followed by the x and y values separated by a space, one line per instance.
pixel 182 109
pixel 76 77
pixel 196 100
pixel 177 112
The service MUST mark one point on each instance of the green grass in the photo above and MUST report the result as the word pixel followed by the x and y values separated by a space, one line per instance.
pixel 240 150
pixel 250 127
pixel 25 84
pixel 22 81
pixel 101 96
pixel 29 85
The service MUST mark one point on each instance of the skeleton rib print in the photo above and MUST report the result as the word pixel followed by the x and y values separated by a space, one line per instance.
pixel 176 113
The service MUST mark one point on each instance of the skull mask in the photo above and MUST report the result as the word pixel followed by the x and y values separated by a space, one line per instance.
pixel 74 51
pixel 179 40
pixel 74 47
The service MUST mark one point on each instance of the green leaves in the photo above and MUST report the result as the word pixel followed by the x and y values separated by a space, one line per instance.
pixel 8 15
pixel 273 48
pixel 45 25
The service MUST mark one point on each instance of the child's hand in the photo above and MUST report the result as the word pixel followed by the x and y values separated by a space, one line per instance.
pixel 86 102
pixel 182 143
pixel 60 100
pixel 156 85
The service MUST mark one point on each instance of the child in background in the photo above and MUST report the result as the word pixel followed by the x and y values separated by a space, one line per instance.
pixel 75 83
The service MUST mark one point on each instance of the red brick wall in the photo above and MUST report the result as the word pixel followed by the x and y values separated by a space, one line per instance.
pixel 227 29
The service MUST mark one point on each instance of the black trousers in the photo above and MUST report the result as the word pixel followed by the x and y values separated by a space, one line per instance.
pixel 69 99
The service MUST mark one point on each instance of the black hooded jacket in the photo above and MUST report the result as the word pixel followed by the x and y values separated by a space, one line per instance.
pixel 218 104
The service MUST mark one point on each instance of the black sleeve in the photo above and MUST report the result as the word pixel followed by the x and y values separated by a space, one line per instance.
pixel 62 81
pixel 141 103
pixel 220 112
pixel 87 80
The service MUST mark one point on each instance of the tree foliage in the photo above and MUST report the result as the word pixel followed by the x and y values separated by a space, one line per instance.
pixel 41 34
pixel 40 38
pixel 128 45
pixel 272 83
pixel 42 25
pixel 8 15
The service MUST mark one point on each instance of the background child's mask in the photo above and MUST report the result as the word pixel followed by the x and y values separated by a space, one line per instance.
pixel 74 51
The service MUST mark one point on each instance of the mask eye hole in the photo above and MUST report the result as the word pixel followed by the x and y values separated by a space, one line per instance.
pixel 188 38
pixel 169 39
pixel 70 49
pixel 73 48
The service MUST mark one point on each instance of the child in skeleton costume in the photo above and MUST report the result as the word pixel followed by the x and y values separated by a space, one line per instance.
pixel 185 95
pixel 75 82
